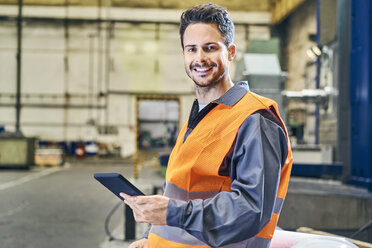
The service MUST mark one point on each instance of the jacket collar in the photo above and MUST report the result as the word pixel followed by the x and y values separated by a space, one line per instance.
pixel 234 94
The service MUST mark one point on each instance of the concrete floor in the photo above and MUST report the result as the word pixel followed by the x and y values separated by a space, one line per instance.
pixel 58 207
pixel 65 206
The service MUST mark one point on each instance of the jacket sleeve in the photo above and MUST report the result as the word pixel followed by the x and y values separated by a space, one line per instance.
pixel 229 217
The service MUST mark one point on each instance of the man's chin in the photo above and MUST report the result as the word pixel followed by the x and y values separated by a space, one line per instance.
pixel 209 81
pixel 203 84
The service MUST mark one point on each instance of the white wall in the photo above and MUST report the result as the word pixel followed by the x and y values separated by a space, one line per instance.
pixel 136 59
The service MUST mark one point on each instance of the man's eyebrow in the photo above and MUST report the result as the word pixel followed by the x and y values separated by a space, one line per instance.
pixel 190 45
pixel 204 44
pixel 210 43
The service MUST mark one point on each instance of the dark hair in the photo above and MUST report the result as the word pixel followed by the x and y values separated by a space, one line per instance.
pixel 209 13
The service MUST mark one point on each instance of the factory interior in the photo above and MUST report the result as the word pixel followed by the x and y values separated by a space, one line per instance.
pixel 92 86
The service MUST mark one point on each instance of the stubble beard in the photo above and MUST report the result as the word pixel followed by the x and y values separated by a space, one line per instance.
pixel 210 84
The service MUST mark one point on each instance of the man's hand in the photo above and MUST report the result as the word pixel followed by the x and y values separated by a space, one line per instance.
pixel 148 209
pixel 142 243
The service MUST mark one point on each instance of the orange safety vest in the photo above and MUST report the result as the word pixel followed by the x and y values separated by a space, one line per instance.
pixel 193 165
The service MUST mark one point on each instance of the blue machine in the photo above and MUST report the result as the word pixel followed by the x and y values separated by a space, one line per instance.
pixel 361 94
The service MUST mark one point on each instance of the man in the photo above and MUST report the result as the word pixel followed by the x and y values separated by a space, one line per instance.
pixel 228 173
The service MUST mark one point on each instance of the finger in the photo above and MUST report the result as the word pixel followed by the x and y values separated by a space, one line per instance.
pixel 137 211
pixel 122 194
pixel 142 200
pixel 138 218
pixel 128 199
pixel 126 196
pixel 131 204
pixel 133 245
pixel 153 201
pixel 142 243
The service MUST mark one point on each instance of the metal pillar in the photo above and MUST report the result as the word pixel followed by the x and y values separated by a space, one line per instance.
pixel 19 62
pixel 343 82
pixel 361 93
pixel 67 96
pixel 317 78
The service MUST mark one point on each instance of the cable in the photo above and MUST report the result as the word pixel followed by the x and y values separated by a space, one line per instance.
pixel 107 221
pixel 365 227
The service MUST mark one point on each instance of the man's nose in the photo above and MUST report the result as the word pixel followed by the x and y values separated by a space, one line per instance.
pixel 201 56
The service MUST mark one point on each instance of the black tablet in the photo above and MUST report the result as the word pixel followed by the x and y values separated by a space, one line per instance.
pixel 116 183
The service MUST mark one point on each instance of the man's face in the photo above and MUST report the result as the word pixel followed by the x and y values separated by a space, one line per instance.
pixel 206 56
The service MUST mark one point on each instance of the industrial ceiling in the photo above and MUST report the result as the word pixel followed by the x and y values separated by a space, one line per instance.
pixel 242 5
pixel 279 8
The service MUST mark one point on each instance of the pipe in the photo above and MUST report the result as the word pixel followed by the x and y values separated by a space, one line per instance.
pixel 90 20
pixel 90 76
pixel 99 60
pixel 45 95
pixel 51 124
pixel 108 69
pixel 152 95
pixel 67 95
pixel 19 61
pixel 48 105
pixel 317 78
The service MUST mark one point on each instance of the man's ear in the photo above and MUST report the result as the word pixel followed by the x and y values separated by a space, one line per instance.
pixel 231 51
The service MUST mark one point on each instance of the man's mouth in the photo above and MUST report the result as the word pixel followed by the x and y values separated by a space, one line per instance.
pixel 203 70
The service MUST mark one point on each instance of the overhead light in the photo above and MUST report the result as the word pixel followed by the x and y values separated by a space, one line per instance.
pixel 316 50
pixel 310 54
pixel 313 52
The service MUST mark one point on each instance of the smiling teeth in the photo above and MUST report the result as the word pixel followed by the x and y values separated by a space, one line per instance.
pixel 202 69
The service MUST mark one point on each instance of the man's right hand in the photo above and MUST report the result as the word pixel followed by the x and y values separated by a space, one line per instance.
pixel 142 243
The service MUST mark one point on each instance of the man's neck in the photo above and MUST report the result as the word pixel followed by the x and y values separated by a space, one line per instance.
pixel 206 95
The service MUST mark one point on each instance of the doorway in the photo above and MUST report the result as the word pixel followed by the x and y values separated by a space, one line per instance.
pixel 157 122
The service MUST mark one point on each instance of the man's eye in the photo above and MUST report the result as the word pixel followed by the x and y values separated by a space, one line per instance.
pixel 191 49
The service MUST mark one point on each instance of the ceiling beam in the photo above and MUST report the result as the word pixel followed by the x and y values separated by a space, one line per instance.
pixel 231 5
pixel 117 14
pixel 282 8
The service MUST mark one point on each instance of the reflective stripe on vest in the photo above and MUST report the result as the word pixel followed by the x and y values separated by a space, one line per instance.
pixel 180 241
pixel 201 155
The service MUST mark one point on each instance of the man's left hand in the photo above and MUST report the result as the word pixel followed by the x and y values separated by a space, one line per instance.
pixel 148 209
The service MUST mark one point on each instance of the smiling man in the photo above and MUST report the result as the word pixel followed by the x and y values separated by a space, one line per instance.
pixel 207 59
pixel 228 173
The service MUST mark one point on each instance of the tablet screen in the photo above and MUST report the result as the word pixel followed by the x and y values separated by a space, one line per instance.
pixel 116 183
